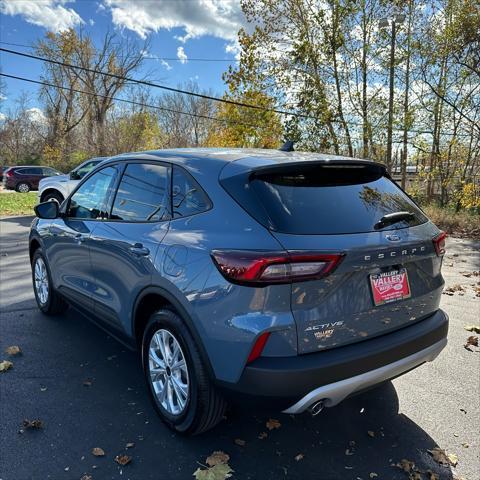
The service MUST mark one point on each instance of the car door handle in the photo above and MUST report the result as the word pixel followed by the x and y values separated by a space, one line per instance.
pixel 140 250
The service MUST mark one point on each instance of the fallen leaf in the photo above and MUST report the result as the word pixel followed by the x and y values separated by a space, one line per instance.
pixel 273 423
pixel 13 350
pixel 471 341
pixel 98 452
pixel 406 465
pixel 472 328
pixel 263 435
pixel 373 475
pixel 240 442
pixel 465 445
pixel 442 458
pixel 5 365
pixel 431 475
pixel 123 459
pixel 87 477
pixel 371 433
pixel 299 457
pixel 130 445
pixel 217 458
pixel 217 472
pixel 32 424
pixel 471 274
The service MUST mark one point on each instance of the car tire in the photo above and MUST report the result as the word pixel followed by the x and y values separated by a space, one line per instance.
pixel 203 407
pixel 22 187
pixel 53 196
pixel 48 299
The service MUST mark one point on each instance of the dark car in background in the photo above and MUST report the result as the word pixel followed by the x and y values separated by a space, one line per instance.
pixel 26 177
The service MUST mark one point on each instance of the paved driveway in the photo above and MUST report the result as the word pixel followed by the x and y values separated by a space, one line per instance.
pixel 88 390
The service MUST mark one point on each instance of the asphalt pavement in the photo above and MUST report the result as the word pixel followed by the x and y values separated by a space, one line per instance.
pixel 88 391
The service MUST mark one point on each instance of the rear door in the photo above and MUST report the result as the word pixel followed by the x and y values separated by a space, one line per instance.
pixel 390 274
pixel 123 247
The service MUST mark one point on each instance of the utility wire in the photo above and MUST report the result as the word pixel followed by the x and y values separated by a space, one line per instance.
pixel 156 85
pixel 207 97
pixel 148 57
pixel 132 102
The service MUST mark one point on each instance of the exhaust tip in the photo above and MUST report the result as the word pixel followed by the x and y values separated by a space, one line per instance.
pixel 317 407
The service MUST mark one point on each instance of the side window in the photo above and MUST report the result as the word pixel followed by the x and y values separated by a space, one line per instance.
pixel 84 169
pixel 49 171
pixel 90 200
pixel 188 197
pixel 37 171
pixel 142 194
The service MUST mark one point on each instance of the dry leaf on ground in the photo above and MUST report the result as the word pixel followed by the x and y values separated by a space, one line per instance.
pixel 406 465
pixel 240 442
pixel 273 423
pixel 472 328
pixel 123 459
pixel 13 350
pixel 431 475
pixel 454 288
pixel 442 458
pixel 217 472
pixel 373 475
pixel 98 452
pixel 262 435
pixel 87 477
pixel 5 365
pixel 472 341
pixel 471 274
pixel 371 433
pixel 217 458
pixel 32 424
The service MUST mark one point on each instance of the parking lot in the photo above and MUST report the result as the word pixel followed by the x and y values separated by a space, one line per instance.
pixel 88 391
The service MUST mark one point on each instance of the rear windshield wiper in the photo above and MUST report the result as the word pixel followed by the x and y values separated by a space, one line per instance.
pixel 392 218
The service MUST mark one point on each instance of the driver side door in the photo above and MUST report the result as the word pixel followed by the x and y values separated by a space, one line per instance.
pixel 70 237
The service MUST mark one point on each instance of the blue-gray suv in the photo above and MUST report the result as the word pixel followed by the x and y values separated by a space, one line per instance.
pixel 287 278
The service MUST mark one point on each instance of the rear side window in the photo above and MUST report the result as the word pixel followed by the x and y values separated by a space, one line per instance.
pixel 331 199
pixel 188 198
pixel 143 194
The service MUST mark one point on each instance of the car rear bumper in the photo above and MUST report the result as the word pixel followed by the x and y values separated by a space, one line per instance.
pixel 296 383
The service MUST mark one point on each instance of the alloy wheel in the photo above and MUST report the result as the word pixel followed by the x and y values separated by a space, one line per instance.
pixel 23 188
pixel 168 372
pixel 41 280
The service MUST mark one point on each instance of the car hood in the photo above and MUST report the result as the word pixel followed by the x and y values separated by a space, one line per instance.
pixel 54 179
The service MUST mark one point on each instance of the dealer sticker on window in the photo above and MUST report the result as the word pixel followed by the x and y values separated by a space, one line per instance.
pixel 390 286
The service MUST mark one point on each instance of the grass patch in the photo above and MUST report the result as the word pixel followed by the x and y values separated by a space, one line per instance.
pixel 15 203
pixel 458 224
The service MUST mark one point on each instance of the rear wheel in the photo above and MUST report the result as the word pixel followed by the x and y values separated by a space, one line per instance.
pixel 48 300
pixel 177 379
pixel 55 196
pixel 23 187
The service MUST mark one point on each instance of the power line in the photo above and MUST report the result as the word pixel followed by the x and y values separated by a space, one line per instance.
pixel 132 102
pixel 156 85
pixel 208 97
pixel 149 57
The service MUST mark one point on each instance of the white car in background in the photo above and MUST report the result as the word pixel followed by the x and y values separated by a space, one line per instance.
pixel 59 187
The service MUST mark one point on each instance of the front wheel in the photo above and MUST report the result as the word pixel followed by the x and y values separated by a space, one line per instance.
pixel 23 187
pixel 48 300
pixel 177 379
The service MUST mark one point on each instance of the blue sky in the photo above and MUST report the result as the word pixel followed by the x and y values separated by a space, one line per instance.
pixel 181 30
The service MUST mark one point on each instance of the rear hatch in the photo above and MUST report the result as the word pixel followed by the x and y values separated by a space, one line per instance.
pixel 389 275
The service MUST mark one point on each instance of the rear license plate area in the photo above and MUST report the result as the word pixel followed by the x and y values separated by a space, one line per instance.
pixel 391 286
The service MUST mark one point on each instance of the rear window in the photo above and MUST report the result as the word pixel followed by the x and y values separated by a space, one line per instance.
pixel 332 199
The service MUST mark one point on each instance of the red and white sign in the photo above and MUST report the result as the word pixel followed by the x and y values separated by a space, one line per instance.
pixel 390 286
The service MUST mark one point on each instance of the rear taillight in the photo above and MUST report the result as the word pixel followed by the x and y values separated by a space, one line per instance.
pixel 439 243
pixel 9 173
pixel 247 267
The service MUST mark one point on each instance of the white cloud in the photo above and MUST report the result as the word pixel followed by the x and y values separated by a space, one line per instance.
pixel 50 14
pixel 2 97
pixel 165 64
pixel 91 22
pixel 219 18
pixel 36 115
pixel 182 56
pixel 3 117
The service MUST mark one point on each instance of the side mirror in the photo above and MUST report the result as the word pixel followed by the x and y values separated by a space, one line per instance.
pixel 47 210
pixel 74 175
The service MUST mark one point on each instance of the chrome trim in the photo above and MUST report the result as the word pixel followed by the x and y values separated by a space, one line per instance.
pixel 334 393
